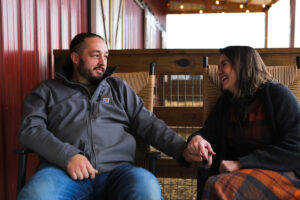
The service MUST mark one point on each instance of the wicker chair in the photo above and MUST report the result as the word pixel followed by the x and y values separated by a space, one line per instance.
pixel 288 75
pixel 143 84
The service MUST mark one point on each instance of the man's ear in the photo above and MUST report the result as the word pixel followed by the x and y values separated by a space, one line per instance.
pixel 75 58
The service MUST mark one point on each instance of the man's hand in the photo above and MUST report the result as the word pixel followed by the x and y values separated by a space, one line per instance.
pixel 79 167
pixel 197 150
pixel 229 166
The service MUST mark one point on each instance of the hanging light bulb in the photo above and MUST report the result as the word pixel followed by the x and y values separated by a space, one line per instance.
pixel 217 2
pixel 181 7
pixel 263 5
pixel 201 11
pixel 242 4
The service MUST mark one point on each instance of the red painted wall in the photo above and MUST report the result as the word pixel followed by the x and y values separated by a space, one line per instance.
pixel 159 8
pixel 134 19
pixel 30 30
pixel 133 25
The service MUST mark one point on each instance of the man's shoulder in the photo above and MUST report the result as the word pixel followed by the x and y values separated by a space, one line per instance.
pixel 116 82
pixel 47 85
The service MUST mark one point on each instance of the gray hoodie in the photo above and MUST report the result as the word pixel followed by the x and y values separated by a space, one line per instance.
pixel 61 119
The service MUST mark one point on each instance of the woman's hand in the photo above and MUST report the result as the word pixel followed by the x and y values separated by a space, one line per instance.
pixel 229 166
pixel 197 150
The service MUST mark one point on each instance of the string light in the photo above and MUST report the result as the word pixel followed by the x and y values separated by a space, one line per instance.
pixel 201 11
pixel 242 5
pixel 181 7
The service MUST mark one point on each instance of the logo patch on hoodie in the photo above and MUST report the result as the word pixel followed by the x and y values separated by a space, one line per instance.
pixel 105 100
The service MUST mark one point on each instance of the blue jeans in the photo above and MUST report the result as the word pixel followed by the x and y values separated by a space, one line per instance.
pixel 124 182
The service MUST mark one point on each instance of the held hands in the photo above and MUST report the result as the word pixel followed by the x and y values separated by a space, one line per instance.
pixel 80 168
pixel 229 166
pixel 197 150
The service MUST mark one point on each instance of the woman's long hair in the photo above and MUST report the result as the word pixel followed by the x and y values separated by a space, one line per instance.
pixel 250 68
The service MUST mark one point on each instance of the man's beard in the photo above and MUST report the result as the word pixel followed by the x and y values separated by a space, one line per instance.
pixel 86 73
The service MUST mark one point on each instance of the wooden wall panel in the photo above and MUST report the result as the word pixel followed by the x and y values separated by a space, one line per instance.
pixel 2 148
pixel 30 30
pixel 133 25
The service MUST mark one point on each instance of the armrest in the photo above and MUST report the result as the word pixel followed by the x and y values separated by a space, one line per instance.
pixel 202 175
pixel 22 167
pixel 153 156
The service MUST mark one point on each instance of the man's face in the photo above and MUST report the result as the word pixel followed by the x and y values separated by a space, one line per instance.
pixel 92 61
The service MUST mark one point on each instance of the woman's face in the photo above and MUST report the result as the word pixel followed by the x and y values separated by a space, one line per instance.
pixel 227 74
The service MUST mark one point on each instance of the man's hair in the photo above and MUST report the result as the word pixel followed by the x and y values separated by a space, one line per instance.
pixel 78 40
pixel 76 45
pixel 250 69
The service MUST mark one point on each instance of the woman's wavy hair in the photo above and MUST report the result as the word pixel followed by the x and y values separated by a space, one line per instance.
pixel 76 45
pixel 250 68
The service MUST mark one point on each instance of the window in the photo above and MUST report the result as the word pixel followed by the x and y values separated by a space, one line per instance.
pixel 206 31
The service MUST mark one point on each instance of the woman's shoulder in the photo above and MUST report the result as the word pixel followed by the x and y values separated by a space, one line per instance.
pixel 276 88
pixel 279 92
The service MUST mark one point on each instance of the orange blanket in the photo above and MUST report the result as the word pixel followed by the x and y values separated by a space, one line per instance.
pixel 252 184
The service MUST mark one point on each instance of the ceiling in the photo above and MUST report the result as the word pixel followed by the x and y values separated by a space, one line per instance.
pixel 218 6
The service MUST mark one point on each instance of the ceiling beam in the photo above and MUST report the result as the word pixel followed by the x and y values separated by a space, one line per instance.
pixel 209 6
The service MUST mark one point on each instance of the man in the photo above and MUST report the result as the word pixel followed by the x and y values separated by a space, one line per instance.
pixel 80 124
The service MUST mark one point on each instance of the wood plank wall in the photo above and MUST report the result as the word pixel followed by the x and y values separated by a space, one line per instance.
pixel 169 61
pixel 29 31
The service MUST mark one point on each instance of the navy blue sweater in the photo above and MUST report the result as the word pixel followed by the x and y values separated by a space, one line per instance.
pixel 282 111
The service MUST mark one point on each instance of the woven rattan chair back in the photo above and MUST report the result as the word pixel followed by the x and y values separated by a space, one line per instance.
pixel 143 85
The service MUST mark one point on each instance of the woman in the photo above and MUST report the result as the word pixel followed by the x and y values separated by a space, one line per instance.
pixel 252 136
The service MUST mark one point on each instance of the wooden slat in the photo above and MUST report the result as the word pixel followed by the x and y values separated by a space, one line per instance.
pixel 169 168
pixel 167 61
pixel 266 27
pixel 180 116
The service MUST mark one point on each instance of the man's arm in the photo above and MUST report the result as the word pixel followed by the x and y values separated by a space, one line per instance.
pixel 33 132
pixel 153 130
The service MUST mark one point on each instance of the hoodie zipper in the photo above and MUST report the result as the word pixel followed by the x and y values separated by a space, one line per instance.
pixel 89 122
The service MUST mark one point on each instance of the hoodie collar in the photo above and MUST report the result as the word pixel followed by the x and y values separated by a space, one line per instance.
pixel 108 72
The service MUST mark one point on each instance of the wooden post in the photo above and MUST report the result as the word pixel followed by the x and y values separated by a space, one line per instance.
pixel 292 27
pixel 266 27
